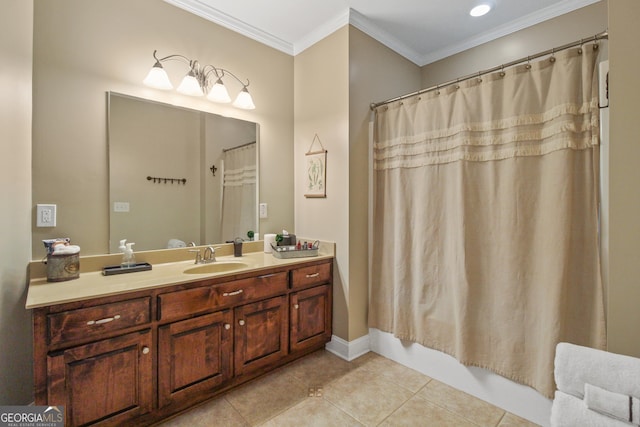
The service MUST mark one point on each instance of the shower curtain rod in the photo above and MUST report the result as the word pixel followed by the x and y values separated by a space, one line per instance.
pixel 224 150
pixel 595 38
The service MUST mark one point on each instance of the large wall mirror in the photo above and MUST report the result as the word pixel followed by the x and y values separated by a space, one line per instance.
pixel 178 176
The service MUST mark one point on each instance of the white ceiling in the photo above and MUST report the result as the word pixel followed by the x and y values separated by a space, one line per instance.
pixel 423 31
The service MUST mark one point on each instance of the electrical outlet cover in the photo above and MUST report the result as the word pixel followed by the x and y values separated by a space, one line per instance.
pixel 45 215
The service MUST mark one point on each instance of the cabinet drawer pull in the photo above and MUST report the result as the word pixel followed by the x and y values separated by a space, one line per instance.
pixel 105 320
pixel 230 294
pixel 310 276
pixel 266 276
pixel 145 350
pixel 227 326
pixel 241 322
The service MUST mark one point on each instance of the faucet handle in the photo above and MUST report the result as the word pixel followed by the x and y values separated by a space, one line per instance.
pixel 198 255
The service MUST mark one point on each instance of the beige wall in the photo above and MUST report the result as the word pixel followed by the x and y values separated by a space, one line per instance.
pixel 335 81
pixel 16 36
pixel 624 203
pixel 321 106
pixel 567 28
pixel 84 49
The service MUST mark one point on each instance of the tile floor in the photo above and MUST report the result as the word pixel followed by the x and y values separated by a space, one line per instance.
pixel 323 390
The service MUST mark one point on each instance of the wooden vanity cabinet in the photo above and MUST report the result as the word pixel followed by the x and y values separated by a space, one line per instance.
pixel 194 356
pixel 310 307
pixel 261 333
pixel 136 358
pixel 96 359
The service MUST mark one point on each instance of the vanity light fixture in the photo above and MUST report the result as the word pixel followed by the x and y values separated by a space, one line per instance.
pixel 200 80
pixel 481 9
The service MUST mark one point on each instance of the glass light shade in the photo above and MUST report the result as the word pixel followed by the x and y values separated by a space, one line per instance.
pixel 158 78
pixel 244 100
pixel 218 93
pixel 190 86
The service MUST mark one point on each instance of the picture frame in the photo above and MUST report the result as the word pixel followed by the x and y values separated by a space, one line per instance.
pixel 316 172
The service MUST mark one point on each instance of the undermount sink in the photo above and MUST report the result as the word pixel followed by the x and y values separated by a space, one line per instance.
pixel 216 267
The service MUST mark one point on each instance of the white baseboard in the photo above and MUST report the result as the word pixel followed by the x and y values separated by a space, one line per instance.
pixel 348 350
pixel 516 398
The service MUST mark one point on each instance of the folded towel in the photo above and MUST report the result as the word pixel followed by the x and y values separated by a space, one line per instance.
pixel 569 411
pixel 576 366
pixel 176 243
pixel 620 406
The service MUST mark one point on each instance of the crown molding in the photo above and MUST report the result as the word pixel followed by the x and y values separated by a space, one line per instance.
pixel 321 32
pixel 503 30
pixel 209 13
pixel 350 16
pixel 365 25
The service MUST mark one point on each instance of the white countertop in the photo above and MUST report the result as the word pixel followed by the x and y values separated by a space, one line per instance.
pixel 94 284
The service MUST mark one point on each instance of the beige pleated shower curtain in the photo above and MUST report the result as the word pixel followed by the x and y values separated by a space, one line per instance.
pixel 485 236
pixel 238 192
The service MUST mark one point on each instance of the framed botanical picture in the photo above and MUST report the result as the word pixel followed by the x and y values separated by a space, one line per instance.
pixel 316 173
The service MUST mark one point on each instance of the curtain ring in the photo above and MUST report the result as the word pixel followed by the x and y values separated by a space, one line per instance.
pixel 479 78
pixel 437 89
pixel 580 48
pixel 528 66
pixel 552 59
pixel 502 73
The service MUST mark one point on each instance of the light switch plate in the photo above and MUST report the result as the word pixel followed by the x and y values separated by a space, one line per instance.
pixel 45 215
pixel 121 206
pixel 263 210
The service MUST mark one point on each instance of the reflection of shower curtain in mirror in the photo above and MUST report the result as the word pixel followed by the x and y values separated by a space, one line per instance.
pixel 239 192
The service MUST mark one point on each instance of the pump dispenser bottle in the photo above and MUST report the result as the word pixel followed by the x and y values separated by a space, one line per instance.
pixel 128 258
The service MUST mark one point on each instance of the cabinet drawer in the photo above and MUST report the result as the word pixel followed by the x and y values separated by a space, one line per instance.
pixel 309 276
pixel 98 320
pixel 180 304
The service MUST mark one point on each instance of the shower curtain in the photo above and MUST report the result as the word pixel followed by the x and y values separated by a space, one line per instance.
pixel 485 235
pixel 238 192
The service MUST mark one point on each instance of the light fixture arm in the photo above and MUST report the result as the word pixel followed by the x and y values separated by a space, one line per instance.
pixel 232 75
pixel 201 76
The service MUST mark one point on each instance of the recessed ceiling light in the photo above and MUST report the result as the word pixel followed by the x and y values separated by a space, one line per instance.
pixel 481 9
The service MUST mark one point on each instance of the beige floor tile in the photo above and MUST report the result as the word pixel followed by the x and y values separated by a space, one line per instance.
pixel 397 373
pixel 217 412
pixel 366 396
pixel 420 412
pixel 263 399
pixel 510 420
pixel 313 412
pixel 319 368
pixel 478 411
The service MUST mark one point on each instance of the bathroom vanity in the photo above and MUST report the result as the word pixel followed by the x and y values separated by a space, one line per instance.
pixel 136 348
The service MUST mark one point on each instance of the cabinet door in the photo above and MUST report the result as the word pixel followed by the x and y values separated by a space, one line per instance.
pixel 194 356
pixel 310 317
pixel 106 382
pixel 260 334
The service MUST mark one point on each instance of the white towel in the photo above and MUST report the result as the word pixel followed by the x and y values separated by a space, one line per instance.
pixel 576 366
pixel 569 411
pixel 176 243
pixel 620 406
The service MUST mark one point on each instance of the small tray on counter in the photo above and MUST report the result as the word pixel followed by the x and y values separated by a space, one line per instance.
pixel 285 252
pixel 118 269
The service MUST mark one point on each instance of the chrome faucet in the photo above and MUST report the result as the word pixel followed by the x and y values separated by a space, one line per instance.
pixel 208 257
pixel 209 254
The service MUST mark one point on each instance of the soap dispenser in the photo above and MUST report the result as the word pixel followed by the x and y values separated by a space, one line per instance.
pixel 128 259
pixel 122 247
